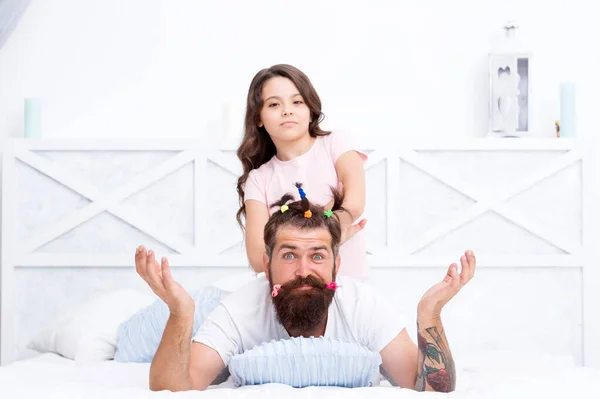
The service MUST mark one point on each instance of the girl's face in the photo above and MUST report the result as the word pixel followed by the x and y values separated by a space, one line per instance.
pixel 284 114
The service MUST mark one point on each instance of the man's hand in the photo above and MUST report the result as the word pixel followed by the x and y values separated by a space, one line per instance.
pixel 158 277
pixel 436 370
pixel 436 297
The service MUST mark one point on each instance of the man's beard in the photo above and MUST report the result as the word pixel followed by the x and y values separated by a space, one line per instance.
pixel 302 310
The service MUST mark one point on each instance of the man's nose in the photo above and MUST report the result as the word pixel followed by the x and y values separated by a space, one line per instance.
pixel 303 267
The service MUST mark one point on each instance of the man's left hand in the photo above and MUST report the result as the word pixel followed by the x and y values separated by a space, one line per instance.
pixel 436 297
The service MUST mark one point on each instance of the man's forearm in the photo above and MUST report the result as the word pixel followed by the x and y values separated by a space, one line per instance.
pixel 171 364
pixel 435 370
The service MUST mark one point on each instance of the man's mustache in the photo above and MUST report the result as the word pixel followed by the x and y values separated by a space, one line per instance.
pixel 310 280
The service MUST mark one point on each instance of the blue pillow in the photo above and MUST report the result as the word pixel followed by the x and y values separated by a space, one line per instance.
pixel 302 362
pixel 138 337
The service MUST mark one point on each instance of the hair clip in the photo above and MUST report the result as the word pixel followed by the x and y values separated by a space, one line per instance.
pixel 332 286
pixel 308 214
pixel 284 208
pixel 328 213
pixel 276 289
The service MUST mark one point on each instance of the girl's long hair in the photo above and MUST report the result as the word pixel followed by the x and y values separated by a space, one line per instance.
pixel 257 147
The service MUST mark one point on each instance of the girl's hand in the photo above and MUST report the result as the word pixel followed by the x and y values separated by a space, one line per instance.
pixel 348 231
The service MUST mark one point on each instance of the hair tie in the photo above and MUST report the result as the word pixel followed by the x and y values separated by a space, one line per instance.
pixel 276 289
pixel 332 286
pixel 328 213
pixel 302 194
pixel 308 214
pixel 284 208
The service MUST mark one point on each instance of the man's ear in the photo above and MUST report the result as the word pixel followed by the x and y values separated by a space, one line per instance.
pixel 338 262
pixel 266 264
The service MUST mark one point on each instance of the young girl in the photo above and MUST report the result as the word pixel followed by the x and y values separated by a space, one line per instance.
pixel 283 144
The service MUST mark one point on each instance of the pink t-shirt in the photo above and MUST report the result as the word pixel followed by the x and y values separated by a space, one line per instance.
pixel 315 169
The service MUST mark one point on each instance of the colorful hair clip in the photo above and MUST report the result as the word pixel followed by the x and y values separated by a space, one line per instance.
pixel 332 286
pixel 328 213
pixel 308 214
pixel 276 289
pixel 284 208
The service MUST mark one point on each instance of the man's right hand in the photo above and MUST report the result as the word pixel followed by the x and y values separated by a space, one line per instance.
pixel 158 277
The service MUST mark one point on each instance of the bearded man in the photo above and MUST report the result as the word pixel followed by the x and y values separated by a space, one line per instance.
pixel 301 296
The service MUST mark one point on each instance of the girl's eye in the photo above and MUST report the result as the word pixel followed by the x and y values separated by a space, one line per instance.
pixel 273 104
pixel 298 102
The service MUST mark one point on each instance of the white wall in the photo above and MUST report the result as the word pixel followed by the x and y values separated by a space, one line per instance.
pixel 151 68
pixel 165 68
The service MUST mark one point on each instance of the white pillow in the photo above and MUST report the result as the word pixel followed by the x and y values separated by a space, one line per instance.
pixel 303 362
pixel 89 333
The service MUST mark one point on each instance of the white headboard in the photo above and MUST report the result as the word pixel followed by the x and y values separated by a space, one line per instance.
pixel 74 211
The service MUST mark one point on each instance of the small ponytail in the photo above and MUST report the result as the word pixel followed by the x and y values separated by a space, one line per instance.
pixel 282 201
pixel 303 200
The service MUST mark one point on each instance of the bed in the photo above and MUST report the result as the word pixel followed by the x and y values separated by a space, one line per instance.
pixel 74 210
pixel 51 376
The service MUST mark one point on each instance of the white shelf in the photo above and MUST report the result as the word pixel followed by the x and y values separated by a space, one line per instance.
pixel 500 144
pixel 429 144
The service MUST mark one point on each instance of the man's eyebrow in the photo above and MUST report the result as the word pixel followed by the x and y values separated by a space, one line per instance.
pixel 320 248
pixel 287 246
pixel 294 247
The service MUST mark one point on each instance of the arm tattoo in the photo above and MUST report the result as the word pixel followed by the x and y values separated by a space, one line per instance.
pixel 436 367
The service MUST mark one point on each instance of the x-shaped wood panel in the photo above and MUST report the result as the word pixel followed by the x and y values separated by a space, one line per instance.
pixel 484 200
pixel 111 200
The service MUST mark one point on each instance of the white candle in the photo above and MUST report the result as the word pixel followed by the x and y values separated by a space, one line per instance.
pixel 33 118
pixel 567 110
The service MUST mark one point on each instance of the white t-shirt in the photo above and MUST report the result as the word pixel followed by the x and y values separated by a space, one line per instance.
pixel 247 318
